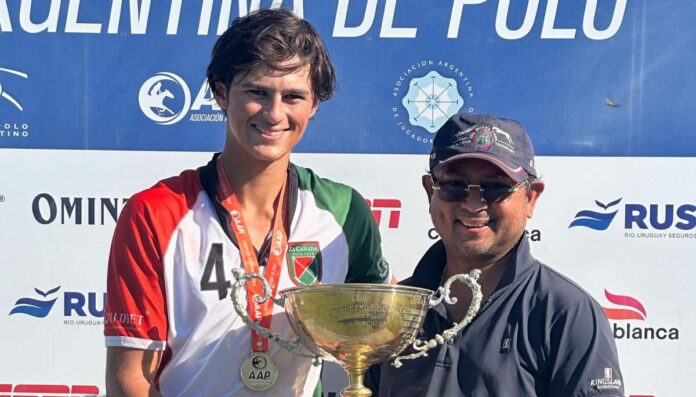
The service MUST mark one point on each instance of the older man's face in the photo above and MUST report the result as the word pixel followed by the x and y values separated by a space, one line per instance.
pixel 475 231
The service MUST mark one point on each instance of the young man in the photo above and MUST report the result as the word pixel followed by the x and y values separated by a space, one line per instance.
pixel 170 326
pixel 537 333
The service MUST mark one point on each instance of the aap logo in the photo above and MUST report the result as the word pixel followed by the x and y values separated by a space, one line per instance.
pixel 594 219
pixel 165 98
pixel 259 362
pixel 3 91
pixel 431 100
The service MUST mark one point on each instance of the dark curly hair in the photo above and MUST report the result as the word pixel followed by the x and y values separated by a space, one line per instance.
pixel 270 38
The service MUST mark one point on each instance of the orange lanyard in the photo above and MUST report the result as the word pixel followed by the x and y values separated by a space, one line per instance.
pixel 261 314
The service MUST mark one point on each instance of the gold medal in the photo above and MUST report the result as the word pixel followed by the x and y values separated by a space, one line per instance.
pixel 258 371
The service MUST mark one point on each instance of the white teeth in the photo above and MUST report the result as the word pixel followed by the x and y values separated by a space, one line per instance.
pixel 477 225
pixel 269 132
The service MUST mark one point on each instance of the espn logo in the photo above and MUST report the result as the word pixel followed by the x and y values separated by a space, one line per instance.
pixel 391 206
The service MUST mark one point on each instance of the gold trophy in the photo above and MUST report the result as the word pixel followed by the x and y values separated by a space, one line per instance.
pixel 357 325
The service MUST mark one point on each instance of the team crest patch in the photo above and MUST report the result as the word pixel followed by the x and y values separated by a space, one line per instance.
pixel 304 262
pixel 483 137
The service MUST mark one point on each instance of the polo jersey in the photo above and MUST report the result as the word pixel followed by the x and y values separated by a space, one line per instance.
pixel 538 334
pixel 170 271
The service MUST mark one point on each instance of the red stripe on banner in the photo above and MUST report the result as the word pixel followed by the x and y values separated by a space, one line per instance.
pixel 42 389
pixel 84 389
pixel 4 388
pixel 622 314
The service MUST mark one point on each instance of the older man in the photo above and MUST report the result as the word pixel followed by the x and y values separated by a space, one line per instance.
pixel 537 333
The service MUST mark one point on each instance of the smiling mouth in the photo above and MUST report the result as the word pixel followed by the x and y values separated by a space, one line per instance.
pixel 473 224
pixel 271 133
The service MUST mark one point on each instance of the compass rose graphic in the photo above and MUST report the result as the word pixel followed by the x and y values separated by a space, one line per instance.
pixel 431 100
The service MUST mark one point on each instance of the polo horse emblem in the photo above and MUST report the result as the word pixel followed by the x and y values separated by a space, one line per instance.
pixel 5 94
pixel 155 98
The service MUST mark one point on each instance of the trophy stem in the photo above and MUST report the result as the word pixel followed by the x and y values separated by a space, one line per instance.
pixel 356 375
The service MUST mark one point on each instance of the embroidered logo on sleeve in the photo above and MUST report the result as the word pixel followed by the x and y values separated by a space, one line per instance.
pixel 126 321
pixel 506 342
pixel 608 382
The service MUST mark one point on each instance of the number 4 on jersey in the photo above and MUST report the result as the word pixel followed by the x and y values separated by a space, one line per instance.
pixel 214 261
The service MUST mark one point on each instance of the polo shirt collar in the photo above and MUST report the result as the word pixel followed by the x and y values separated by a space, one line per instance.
pixel 428 272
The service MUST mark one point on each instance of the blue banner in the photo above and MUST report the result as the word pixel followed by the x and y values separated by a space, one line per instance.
pixel 587 78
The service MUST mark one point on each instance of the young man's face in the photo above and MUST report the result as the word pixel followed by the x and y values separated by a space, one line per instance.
pixel 267 112
pixel 474 231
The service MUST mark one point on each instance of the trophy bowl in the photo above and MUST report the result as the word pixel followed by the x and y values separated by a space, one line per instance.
pixel 356 325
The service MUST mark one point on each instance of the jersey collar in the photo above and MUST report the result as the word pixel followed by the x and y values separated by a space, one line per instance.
pixel 208 177
pixel 428 272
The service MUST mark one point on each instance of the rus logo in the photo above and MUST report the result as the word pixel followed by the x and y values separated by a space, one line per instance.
pixel 638 216
pixel 594 219
pixel 629 311
pixel 73 304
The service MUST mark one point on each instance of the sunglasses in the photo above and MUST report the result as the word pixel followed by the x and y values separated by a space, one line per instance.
pixel 491 192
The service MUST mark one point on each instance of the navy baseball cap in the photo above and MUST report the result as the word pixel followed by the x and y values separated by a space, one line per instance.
pixel 502 142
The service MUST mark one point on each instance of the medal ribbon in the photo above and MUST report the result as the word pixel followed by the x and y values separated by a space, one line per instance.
pixel 261 314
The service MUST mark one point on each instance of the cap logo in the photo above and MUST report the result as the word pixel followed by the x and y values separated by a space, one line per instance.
pixel 484 137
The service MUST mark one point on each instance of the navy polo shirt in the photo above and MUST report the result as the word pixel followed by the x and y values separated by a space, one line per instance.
pixel 537 334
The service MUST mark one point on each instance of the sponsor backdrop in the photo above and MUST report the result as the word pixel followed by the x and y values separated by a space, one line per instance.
pixel 99 99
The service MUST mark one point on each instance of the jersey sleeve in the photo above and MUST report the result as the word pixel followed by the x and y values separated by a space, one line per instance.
pixel 583 358
pixel 366 263
pixel 135 308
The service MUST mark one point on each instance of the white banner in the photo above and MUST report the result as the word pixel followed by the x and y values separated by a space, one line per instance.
pixel 624 229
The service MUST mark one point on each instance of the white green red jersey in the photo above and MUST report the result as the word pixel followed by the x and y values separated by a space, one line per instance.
pixel 170 271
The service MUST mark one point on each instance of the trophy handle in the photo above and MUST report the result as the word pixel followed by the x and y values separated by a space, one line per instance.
pixel 470 280
pixel 241 278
